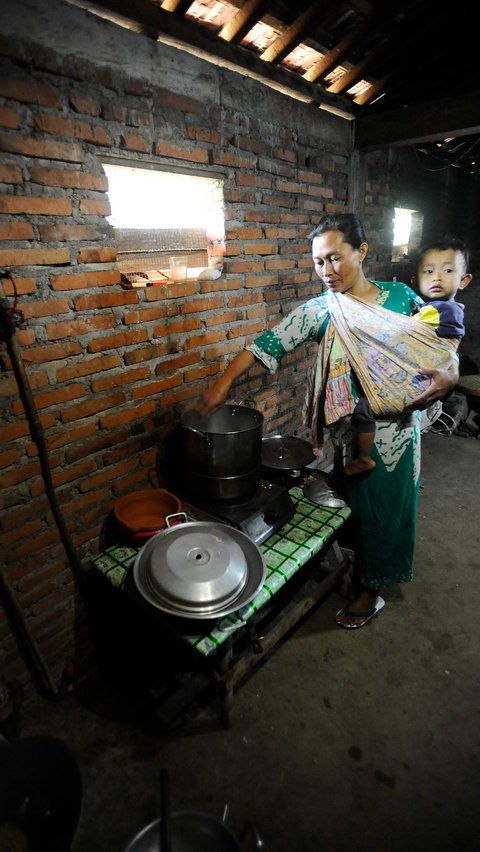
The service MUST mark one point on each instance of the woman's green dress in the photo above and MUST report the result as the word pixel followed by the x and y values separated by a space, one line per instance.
pixel 383 501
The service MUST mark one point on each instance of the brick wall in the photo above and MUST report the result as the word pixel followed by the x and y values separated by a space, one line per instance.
pixel 110 369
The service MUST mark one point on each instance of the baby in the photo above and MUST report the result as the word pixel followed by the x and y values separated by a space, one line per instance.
pixel 441 272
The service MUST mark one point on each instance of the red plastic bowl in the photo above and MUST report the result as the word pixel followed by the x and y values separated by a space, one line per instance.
pixel 145 510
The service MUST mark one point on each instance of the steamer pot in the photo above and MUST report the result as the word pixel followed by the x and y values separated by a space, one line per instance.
pixel 222 453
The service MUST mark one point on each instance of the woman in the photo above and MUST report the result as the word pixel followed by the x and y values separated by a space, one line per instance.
pixel 384 500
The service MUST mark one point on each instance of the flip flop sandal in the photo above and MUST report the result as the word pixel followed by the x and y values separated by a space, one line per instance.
pixel 366 615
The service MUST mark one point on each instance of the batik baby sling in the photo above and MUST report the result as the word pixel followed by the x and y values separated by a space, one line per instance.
pixel 386 350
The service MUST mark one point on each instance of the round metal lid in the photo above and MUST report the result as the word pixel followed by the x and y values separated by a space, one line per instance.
pixel 320 492
pixel 286 452
pixel 199 569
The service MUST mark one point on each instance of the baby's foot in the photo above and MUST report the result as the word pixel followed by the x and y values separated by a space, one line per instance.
pixel 360 465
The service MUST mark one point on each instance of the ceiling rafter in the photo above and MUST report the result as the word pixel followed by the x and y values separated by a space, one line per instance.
pixel 243 21
pixel 286 42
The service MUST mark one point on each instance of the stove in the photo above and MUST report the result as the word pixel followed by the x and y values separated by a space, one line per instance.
pixel 259 516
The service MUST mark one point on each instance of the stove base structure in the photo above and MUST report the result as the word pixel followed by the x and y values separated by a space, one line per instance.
pixel 303 563
pixel 325 574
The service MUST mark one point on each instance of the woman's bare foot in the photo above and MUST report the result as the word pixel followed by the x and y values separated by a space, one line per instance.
pixel 365 605
pixel 359 465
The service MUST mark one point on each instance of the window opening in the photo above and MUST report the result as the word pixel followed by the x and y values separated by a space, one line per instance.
pixel 407 233
pixel 157 214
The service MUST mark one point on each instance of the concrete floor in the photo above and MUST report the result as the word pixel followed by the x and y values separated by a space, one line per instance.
pixel 365 740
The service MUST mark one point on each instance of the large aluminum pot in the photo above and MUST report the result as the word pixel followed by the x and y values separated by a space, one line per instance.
pixel 190 831
pixel 222 453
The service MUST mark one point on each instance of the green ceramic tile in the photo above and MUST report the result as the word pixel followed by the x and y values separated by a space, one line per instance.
pixel 274 559
pixel 275 581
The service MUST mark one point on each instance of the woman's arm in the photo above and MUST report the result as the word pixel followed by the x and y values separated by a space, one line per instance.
pixel 217 393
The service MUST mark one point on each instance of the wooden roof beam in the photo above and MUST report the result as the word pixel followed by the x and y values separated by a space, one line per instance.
pixel 292 37
pixel 243 21
pixel 334 57
pixel 178 6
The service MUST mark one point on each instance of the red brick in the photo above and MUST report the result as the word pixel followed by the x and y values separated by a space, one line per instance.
pixel 74 328
pixel 148 353
pixel 136 413
pixel 8 117
pixel 95 207
pixel 79 281
pixel 97 254
pixel 47 149
pixel 84 103
pixel 55 124
pixel 176 327
pixel 91 407
pixel 151 388
pixel 59 396
pixel 198 155
pixel 135 142
pixel 182 103
pixel 77 435
pixel 147 314
pixel 126 338
pixel 204 134
pixel 15 430
pixel 92 133
pixel 222 319
pixel 63 232
pixel 201 305
pixel 29 92
pixel 10 457
pixel 105 300
pixel 261 281
pixel 69 178
pixel 169 291
pixel 21 474
pixel 220 285
pixel 112 380
pixel 16 231
pixel 87 367
pixel 54 352
pixel 34 205
pixel 74 472
pixel 199 340
pixel 107 475
pixel 10 174
pixel 34 257
pixel 178 363
pixel 47 308
pixel 9 385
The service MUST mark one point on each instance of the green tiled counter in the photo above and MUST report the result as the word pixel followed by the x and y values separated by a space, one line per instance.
pixel 284 553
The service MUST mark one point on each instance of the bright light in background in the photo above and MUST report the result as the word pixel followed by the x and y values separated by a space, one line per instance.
pixel 148 199
pixel 402 224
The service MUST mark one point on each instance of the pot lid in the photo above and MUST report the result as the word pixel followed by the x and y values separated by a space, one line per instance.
pixel 286 452
pixel 199 569
pixel 320 492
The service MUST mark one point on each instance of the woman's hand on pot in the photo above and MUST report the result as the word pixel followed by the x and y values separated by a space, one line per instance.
pixel 442 381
